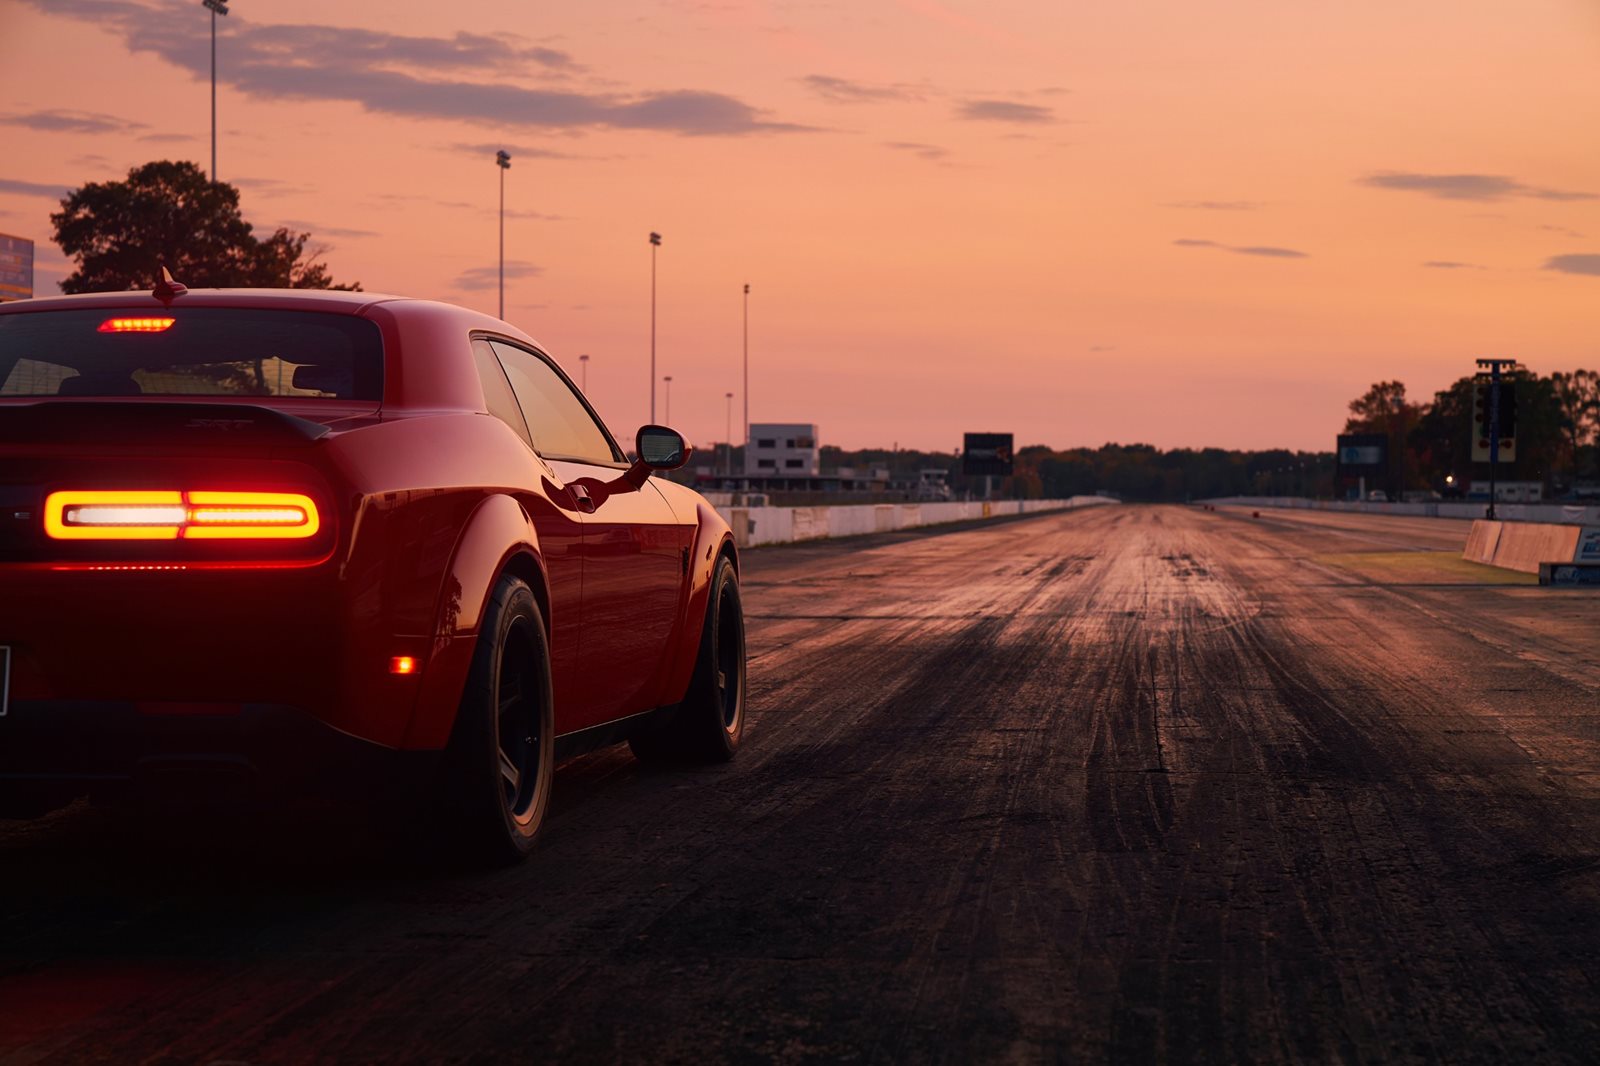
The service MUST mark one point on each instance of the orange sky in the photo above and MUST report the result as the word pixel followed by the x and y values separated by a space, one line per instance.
pixel 1158 221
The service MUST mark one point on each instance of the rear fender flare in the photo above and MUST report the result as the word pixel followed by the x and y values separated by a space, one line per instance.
pixel 713 540
pixel 499 536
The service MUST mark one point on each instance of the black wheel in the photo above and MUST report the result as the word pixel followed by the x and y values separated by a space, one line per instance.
pixel 708 725
pixel 496 786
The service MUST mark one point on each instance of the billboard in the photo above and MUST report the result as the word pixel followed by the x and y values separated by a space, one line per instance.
pixel 983 454
pixel 1363 454
pixel 16 268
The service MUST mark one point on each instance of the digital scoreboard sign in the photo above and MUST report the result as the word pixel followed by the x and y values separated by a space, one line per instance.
pixel 986 454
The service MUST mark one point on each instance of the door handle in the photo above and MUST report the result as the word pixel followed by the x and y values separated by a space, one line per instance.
pixel 581 494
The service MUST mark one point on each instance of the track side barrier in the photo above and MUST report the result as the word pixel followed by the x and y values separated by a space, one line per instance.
pixel 1523 546
pixel 755 526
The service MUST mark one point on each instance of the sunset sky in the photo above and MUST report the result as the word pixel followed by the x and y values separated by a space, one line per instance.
pixel 1151 221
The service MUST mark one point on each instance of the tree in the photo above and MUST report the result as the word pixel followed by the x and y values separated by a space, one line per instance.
pixel 1441 439
pixel 1577 399
pixel 120 233
pixel 1383 409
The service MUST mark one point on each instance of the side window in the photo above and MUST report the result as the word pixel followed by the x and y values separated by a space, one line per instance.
pixel 497 393
pixel 561 426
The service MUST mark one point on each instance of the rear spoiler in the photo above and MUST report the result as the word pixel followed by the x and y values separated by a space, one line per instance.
pixel 132 422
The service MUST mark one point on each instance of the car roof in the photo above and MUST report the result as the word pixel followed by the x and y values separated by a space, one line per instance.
pixel 285 299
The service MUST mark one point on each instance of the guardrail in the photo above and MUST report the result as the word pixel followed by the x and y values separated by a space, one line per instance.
pixel 754 526
pixel 1561 513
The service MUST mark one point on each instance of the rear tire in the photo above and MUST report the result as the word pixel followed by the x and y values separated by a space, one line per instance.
pixel 497 772
pixel 709 724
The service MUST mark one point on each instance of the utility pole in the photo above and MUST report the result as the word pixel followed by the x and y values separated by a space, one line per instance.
pixel 502 159
pixel 668 380
pixel 1496 368
pixel 728 433
pixel 583 361
pixel 746 380
pixel 655 242
pixel 217 7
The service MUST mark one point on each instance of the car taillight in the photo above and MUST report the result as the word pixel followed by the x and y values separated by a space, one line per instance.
pixel 144 515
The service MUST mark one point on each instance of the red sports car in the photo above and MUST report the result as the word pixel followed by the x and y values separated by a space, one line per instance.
pixel 322 541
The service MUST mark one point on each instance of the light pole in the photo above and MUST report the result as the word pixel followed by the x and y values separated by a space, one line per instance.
pixel 217 7
pixel 502 159
pixel 728 433
pixel 655 242
pixel 746 380
pixel 583 363
pixel 668 380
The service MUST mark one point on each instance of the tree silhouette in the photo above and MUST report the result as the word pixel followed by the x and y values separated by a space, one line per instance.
pixel 120 233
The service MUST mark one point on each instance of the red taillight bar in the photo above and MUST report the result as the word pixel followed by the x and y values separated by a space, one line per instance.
pixel 172 515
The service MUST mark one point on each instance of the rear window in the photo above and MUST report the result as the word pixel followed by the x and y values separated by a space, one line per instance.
pixel 202 351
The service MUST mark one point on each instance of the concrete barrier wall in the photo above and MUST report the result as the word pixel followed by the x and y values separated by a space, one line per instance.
pixel 1576 514
pixel 1482 541
pixel 754 526
pixel 1521 546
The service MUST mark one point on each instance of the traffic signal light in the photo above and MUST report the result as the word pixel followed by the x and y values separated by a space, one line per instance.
pixel 1480 422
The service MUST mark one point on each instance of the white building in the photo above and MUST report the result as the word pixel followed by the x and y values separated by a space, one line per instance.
pixel 783 449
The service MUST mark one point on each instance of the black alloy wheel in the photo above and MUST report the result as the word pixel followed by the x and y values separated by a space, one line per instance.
pixel 501 760
pixel 709 724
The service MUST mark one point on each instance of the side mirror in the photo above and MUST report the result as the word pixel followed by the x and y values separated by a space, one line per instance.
pixel 658 448
pixel 661 448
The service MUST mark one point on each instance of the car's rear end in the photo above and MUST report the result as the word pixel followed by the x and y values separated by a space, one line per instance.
pixel 172 617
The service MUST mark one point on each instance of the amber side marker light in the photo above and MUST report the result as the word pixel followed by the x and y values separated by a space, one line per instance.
pixel 402 664
pixel 111 515
pixel 136 325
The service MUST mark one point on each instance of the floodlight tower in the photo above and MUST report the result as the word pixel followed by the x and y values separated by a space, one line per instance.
pixel 655 242
pixel 217 7
pixel 502 159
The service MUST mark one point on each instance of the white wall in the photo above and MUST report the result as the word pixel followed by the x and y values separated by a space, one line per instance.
pixel 1569 513
pixel 754 526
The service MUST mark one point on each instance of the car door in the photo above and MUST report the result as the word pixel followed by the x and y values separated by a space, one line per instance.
pixel 559 524
pixel 634 548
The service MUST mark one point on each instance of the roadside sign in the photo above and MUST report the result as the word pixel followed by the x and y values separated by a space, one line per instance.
pixel 986 454
pixel 1363 454
pixel 1588 546
pixel 16 268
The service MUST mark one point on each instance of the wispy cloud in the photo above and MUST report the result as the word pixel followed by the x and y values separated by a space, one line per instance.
pixel 469 77
pixel 1270 252
pixel 1450 264
pixel 487 149
pixel 1575 264
pixel 1004 111
pixel 1265 250
pixel 480 278
pixel 65 121
pixel 268 186
pixel 931 152
pixel 1216 205
pixel 846 91
pixel 1478 187
pixel 168 138
pixel 32 188
pixel 300 225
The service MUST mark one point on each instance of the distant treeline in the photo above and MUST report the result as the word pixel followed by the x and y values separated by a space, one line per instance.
pixel 1430 450
pixel 1128 471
